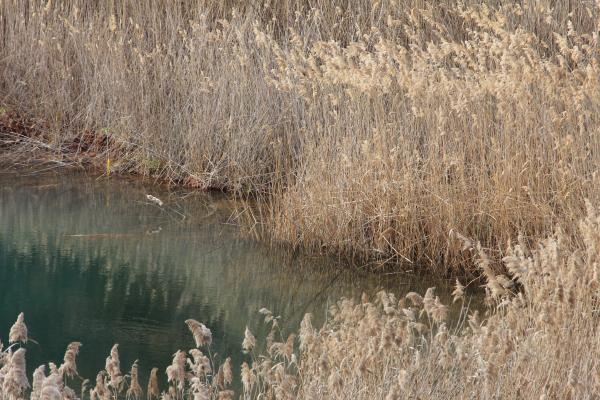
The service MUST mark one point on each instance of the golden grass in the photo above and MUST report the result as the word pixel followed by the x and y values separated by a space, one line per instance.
pixel 371 129
pixel 538 338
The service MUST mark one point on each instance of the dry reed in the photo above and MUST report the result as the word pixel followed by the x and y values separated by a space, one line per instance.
pixel 368 128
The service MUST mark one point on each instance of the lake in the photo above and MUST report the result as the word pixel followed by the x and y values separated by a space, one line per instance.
pixel 93 260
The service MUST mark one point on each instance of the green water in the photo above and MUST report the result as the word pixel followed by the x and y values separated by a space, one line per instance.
pixel 93 260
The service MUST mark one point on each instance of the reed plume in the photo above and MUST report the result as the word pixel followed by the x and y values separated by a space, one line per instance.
pixel 52 388
pixel 249 341
pixel 113 370
pixel 202 335
pixel 38 380
pixel 176 371
pixel 100 391
pixel 153 391
pixel 14 378
pixel 18 332
pixel 135 390
pixel 69 366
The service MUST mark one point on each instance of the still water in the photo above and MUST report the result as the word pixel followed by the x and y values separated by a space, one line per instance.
pixel 93 260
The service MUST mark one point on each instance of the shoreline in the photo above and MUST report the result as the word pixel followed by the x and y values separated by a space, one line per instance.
pixel 90 158
pixel 378 139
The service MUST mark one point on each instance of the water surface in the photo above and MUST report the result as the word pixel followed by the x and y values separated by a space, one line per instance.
pixel 93 260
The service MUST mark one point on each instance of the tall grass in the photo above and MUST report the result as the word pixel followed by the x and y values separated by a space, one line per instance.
pixel 538 339
pixel 369 128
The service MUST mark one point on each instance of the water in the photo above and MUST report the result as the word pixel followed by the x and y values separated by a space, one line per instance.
pixel 93 260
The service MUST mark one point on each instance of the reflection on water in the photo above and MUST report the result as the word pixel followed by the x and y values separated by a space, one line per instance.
pixel 95 261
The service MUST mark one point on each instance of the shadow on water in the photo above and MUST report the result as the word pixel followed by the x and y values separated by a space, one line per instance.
pixel 97 262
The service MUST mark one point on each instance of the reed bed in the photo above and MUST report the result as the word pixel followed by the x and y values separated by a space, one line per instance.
pixel 366 128
pixel 538 338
